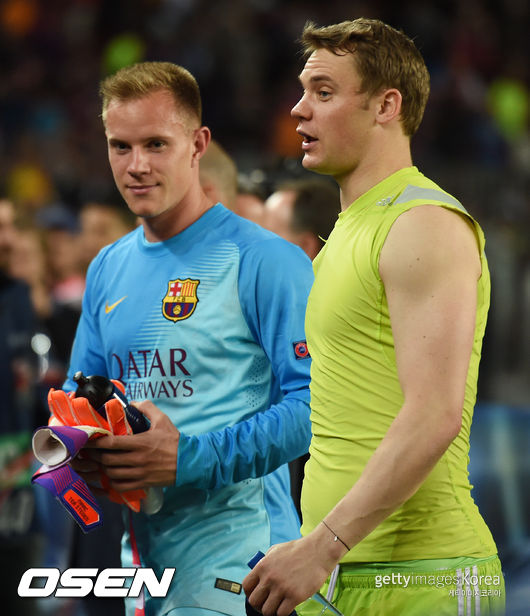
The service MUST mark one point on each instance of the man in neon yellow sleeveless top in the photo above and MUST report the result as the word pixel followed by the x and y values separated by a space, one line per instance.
pixel 394 323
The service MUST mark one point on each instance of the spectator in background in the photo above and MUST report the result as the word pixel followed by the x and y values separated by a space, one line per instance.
pixel 28 262
pixel 250 201
pixel 17 369
pixel 219 180
pixel 218 176
pixel 101 224
pixel 61 228
pixel 303 212
pixel 65 279
pixel 17 323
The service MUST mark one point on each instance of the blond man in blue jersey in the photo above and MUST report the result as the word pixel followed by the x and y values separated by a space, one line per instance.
pixel 201 314
pixel 394 324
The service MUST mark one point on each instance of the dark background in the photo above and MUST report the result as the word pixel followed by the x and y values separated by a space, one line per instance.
pixel 474 141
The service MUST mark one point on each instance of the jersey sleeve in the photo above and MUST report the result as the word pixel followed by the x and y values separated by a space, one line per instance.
pixel 274 282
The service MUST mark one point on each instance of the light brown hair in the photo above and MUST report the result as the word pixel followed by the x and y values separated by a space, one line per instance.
pixel 384 58
pixel 138 80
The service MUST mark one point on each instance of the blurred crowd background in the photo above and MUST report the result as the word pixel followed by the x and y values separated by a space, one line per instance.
pixel 474 141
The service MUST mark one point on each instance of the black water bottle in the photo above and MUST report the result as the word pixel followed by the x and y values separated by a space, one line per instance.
pixel 99 389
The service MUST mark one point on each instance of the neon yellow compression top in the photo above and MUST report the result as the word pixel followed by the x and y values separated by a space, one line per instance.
pixel 355 392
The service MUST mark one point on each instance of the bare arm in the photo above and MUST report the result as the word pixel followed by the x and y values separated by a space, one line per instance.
pixel 429 265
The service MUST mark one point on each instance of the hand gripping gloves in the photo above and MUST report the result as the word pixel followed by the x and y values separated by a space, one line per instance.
pixel 68 410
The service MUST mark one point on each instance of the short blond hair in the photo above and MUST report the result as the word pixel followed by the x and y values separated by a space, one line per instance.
pixel 384 58
pixel 143 78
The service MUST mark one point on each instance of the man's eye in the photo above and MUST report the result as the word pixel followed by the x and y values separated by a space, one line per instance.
pixel 156 144
pixel 324 94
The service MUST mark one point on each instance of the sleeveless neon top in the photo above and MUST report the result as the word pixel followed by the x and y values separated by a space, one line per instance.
pixel 355 392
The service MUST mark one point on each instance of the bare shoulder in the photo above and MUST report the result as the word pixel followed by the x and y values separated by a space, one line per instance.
pixel 427 240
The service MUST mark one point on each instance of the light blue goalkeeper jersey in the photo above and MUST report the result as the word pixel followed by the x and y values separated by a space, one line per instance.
pixel 209 325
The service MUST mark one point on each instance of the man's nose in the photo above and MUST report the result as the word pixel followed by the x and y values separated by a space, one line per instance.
pixel 139 161
pixel 301 109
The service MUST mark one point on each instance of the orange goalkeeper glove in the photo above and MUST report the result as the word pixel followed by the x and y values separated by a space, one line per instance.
pixel 68 410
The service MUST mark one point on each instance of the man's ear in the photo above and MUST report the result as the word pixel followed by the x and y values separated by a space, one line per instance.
pixel 388 106
pixel 201 140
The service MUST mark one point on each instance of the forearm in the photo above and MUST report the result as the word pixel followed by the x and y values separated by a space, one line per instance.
pixel 404 458
pixel 251 448
pixel 413 445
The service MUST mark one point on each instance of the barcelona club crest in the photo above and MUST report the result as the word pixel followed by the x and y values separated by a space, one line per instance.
pixel 180 300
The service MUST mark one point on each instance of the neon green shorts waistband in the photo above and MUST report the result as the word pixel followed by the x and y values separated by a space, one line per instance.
pixel 425 564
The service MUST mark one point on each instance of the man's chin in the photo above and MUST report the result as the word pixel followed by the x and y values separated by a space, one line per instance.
pixel 309 163
pixel 141 209
pixel 314 165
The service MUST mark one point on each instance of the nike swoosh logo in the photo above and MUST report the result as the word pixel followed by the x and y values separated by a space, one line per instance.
pixel 112 306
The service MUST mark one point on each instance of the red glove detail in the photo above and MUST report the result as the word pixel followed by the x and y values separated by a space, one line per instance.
pixel 71 411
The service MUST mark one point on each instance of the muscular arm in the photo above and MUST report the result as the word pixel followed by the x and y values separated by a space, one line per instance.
pixel 429 265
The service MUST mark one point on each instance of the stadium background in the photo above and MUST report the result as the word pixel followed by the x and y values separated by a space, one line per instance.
pixel 474 141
